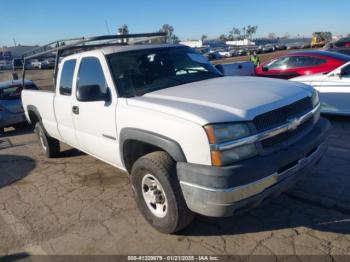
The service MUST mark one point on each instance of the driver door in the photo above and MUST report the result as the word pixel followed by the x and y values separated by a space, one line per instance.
pixel 335 92
pixel 95 121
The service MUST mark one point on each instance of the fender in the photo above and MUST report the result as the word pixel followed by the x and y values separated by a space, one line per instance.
pixel 165 143
pixel 36 112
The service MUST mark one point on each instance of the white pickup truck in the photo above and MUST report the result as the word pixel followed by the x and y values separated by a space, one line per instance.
pixel 192 140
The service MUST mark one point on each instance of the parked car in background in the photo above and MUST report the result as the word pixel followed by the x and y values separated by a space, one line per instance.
pixel 48 64
pixel 11 110
pixel 5 65
pixel 268 48
pixel 334 89
pixel 244 68
pixel 36 64
pixel 341 46
pixel 280 47
pixel 225 52
pixel 17 64
pixel 302 63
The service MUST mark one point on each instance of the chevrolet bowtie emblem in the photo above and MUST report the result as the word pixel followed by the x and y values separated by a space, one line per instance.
pixel 293 123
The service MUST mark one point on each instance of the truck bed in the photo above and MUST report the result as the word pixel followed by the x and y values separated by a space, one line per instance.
pixel 43 102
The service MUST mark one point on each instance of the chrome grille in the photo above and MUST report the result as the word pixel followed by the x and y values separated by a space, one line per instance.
pixel 275 140
pixel 279 116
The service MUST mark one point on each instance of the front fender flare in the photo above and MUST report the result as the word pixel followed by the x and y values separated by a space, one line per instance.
pixel 167 144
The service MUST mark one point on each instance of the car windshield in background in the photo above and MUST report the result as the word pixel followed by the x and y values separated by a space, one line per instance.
pixel 9 93
pixel 143 71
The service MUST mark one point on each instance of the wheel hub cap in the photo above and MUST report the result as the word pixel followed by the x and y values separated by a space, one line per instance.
pixel 154 196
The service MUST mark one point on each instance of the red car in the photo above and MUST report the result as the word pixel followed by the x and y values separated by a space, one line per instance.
pixel 302 63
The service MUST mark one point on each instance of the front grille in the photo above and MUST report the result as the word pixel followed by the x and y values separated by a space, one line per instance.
pixel 286 136
pixel 279 116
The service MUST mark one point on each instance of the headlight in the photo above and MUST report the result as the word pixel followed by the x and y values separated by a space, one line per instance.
pixel 222 158
pixel 315 98
pixel 226 132
pixel 221 133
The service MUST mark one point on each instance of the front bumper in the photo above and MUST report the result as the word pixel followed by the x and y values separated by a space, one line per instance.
pixel 221 191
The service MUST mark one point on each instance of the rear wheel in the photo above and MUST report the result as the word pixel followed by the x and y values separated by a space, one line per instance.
pixel 49 145
pixel 158 193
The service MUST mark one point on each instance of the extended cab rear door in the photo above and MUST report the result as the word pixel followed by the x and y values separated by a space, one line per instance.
pixel 94 121
pixel 64 99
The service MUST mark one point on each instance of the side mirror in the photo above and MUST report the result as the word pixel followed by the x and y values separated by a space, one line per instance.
pixel 65 91
pixel 265 68
pixel 90 93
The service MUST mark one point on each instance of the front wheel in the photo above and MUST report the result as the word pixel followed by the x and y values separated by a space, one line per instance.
pixel 49 145
pixel 158 193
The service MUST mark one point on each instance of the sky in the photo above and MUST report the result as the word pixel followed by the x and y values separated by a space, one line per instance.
pixel 41 21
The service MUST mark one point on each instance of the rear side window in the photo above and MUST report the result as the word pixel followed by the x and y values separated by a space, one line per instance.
pixel 10 93
pixel 91 73
pixel 304 61
pixel 66 80
pixel 280 63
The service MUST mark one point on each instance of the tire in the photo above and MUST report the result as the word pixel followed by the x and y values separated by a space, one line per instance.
pixel 49 145
pixel 20 126
pixel 162 168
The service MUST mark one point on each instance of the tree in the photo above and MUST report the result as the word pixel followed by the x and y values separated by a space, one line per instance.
pixel 251 30
pixel 271 36
pixel 204 37
pixel 235 33
pixel 169 30
pixel 123 30
pixel 286 36
pixel 223 37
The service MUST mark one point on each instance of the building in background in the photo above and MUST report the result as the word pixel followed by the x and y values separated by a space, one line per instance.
pixel 7 53
pixel 193 43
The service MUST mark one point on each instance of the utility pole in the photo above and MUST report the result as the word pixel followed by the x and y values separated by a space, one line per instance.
pixel 14 41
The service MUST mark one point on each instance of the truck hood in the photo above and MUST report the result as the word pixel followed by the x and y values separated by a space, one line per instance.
pixel 223 99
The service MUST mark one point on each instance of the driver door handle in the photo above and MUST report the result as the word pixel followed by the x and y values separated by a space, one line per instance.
pixel 75 110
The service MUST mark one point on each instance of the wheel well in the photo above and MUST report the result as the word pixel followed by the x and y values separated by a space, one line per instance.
pixel 33 117
pixel 134 149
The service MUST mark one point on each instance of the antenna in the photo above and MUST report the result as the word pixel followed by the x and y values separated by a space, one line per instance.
pixel 107 26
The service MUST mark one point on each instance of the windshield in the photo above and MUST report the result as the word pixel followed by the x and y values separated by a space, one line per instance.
pixel 138 72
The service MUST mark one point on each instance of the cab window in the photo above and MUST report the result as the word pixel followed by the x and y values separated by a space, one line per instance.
pixel 66 80
pixel 91 73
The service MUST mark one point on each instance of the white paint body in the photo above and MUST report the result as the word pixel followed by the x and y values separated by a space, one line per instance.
pixel 334 90
pixel 178 113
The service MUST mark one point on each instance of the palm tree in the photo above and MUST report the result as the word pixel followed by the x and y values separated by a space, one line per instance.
pixel 169 30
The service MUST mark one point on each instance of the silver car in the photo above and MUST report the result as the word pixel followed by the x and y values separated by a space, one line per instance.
pixel 11 110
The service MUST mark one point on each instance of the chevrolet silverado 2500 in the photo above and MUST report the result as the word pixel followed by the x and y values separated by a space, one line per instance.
pixel 192 140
